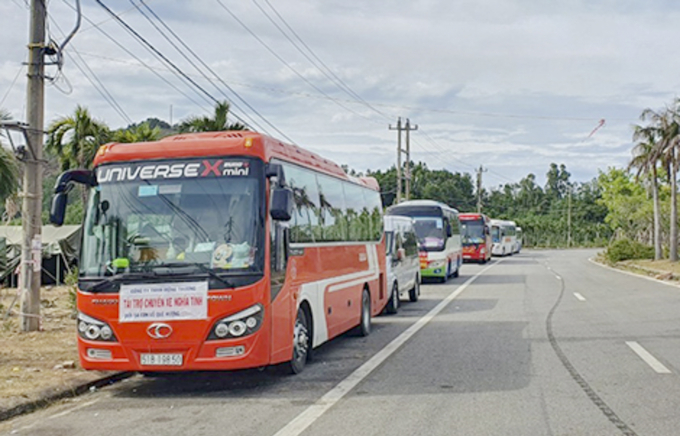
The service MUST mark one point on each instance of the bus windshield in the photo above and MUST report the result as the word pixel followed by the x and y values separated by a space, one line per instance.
pixel 178 215
pixel 472 232
pixel 495 234
pixel 430 232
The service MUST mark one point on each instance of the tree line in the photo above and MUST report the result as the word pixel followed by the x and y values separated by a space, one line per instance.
pixel 637 202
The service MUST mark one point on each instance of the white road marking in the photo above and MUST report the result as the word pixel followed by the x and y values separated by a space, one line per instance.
pixel 648 358
pixel 300 423
pixel 579 296
pixel 73 409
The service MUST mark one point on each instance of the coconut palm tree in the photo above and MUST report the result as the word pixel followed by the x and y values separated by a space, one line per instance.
pixel 75 139
pixel 667 126
pixel 646 156
pixel 215 124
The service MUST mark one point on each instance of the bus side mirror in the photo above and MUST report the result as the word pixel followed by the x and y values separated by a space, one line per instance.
pixel 58 208
pixel 449 231
pixel 281 208
pixel 487 231
pixel 275 170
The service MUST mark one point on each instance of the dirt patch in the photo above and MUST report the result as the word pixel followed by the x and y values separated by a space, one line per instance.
pixel 36 364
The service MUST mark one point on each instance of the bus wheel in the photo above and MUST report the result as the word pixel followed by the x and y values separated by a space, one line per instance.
pixel 301 343
pixel 393 304
pixel 414 293
pixel 364 327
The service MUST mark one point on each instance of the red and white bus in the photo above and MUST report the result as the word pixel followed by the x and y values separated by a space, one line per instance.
pixel 219 251
pixel 476 235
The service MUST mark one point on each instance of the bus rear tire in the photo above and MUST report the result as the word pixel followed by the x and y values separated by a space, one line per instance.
pixel 364 327
pixel 301 343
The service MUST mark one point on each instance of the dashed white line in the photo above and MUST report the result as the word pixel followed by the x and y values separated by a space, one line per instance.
pixel 648 358
pixel 579 296
pixel 301 422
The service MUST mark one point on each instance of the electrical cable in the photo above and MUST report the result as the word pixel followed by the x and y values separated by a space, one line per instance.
pixel 150 46
pixel 192 63
pixel 326 71
pixel 141 62
pixel 285 63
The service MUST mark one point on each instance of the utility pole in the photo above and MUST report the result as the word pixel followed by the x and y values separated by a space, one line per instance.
pixel 408 129
pixel 569 219
pixel 31 244
pixel 479 188
pixel 399 150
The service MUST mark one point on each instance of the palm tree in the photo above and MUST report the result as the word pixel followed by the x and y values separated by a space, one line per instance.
pixel 139 133
pixel 75 139
pixel 9 167
pixel 646 156
pixel 667 126
pixel 206 124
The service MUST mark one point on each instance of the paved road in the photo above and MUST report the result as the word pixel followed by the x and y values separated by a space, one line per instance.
pixel 541 343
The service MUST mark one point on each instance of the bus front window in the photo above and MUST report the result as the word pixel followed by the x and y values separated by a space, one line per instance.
pixel 430 232
pixel 472 232
pixel 141 225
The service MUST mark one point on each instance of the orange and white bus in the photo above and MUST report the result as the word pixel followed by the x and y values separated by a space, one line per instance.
pixel 476 235
pixel 219 251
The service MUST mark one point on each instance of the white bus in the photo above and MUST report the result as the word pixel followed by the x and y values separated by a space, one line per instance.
pixel 503 237
pixel 438 230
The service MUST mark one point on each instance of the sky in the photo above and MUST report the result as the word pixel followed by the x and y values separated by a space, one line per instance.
pixel 511 85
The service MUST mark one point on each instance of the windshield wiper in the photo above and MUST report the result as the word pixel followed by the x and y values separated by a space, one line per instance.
pixel 195 265
pixel 102 284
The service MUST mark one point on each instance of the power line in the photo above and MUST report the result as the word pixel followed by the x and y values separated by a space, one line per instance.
pixel 141 62
pixel 276 55
pixel 151 47
pixel 99 86
pixel 326 71
pixel 172 43
pixel 21 68
pixel 181 41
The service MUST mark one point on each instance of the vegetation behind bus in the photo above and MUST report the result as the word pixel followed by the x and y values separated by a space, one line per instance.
pixel 614 205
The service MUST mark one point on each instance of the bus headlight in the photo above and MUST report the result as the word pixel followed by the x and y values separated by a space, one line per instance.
pixel 243 323
pixel 94 330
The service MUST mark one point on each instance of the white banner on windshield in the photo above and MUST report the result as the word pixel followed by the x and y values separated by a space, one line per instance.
pixel 163 302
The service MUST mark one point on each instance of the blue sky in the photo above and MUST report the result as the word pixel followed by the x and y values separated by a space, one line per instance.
pixel 510 84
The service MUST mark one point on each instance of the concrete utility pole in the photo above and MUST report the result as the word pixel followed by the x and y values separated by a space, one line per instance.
pixel 479 188
pixel 31 244
pixel 569 219
pixel 408 129
pixel 399 150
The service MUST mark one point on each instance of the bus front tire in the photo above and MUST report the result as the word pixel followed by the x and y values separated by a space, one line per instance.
pixel 301 343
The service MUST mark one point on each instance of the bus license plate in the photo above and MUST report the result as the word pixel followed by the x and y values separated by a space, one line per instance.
pixel 161 359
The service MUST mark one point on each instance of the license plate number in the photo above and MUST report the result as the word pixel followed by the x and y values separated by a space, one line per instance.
pixel 162 359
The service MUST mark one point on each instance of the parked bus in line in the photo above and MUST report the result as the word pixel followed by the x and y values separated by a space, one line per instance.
pixel 221 251
pixel 438 229
pixel 503 237
pixel 476 234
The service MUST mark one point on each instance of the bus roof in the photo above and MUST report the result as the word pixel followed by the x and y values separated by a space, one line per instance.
pixel 235 142
pixel 421 203
pixel 473 216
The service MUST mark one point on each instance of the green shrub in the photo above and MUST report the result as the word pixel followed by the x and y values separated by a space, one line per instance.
pixel 626 249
